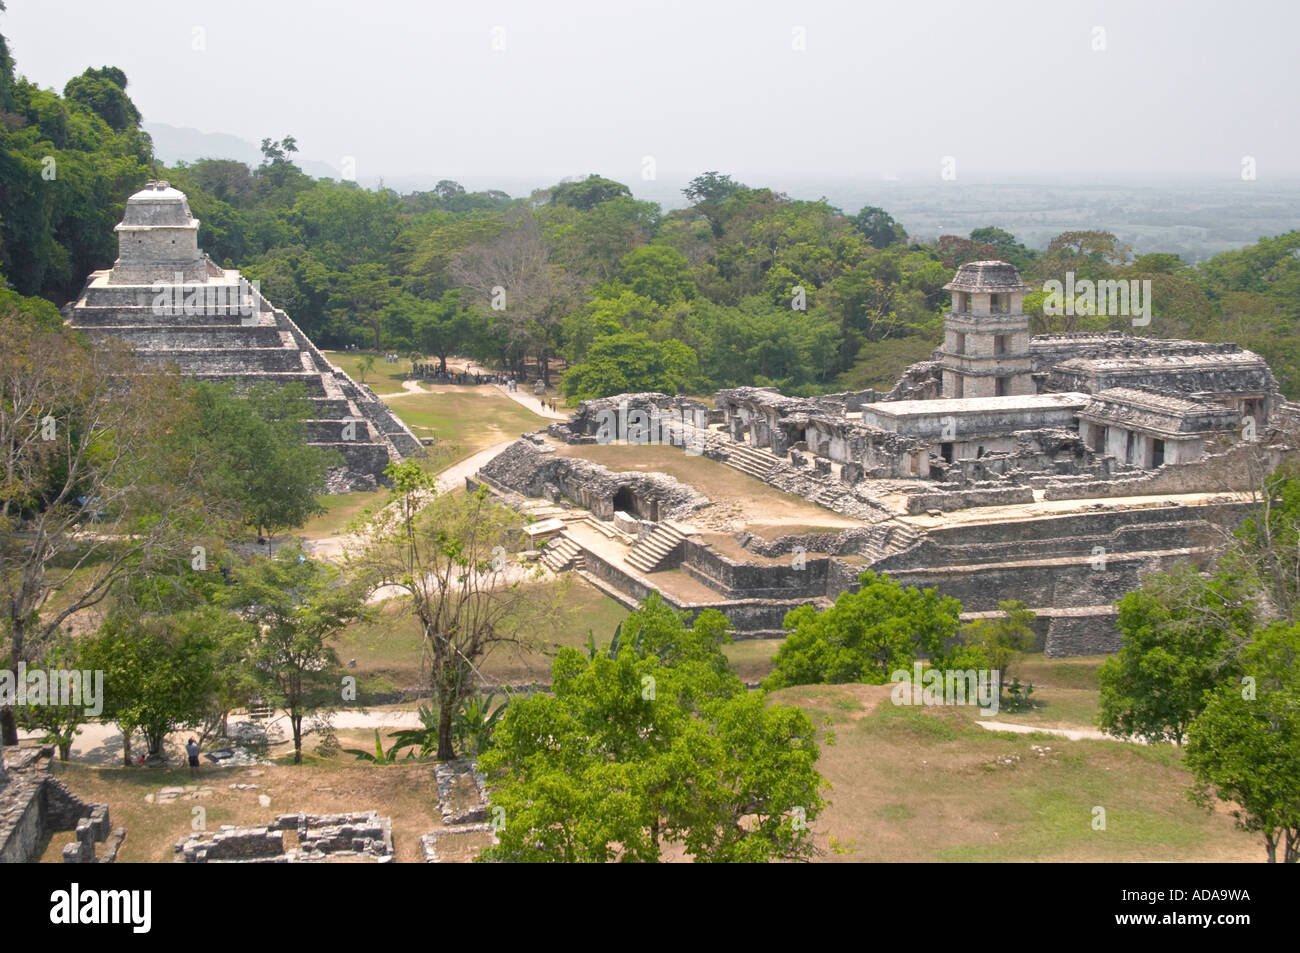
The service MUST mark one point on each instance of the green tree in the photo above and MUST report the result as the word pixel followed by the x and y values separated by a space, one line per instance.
pixel 298 606
pixel 1180 631
pixel 629 361
pixel 587 193
pixel 258 442
pixel 865 636
pixel 650 746
pixel 1003 640
pixel 448 556
pixel 443 327
pixel 1243 749
pixel 158 674
pixel 104 92
pixel 78 449
pixel 657 272
pixel 61 723
pixel 878 227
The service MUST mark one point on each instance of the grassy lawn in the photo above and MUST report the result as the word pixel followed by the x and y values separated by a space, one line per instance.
pixel 471 418
pixel 915 784
pixel 465 420
pixel 1065 691
pixel 339 511
pixel 383 377
pixel 387 651
pixel 751 659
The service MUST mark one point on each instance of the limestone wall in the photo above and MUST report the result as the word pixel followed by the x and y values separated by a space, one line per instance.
pixel 740 580
pixel 1237 468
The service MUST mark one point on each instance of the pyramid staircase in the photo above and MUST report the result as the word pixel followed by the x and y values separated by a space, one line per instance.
pixel 756 463
pixel 898 537
pixel 562 553
pixel 650 552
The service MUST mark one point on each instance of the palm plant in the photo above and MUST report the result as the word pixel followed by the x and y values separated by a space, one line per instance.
pixel 378 756
pixel 425 737
pixel 475 722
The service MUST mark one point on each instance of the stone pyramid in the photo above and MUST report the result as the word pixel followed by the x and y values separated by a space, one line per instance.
pixel 173 305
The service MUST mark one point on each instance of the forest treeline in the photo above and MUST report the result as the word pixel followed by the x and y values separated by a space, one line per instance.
pixel 744 286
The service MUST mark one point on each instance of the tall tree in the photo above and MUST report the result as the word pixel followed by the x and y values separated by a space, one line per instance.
pixel 447 555
pixel 878 227
pixel 258 443
pixel 653 742
pixel 1243 749
pixel 866 636
pixel 158 674
pixel 298 605
pixel 99 478
pixel 511 277
pixel 1180 632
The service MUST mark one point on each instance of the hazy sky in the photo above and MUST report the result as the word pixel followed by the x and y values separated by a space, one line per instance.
pixel 879 89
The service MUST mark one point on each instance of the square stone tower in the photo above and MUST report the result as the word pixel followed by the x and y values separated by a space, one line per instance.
pixel 158 239
pixel 985 349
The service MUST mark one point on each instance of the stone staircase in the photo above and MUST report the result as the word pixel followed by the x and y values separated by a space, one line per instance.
pixel 756 463
pixel 897 538
pixel 562 553
pixel 651 551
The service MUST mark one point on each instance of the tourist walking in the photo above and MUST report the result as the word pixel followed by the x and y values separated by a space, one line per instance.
pixel 192 751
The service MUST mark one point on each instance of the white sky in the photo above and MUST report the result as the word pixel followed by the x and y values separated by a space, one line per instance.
pixel 1007 88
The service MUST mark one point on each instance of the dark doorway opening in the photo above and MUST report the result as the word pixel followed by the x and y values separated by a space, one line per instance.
pixel 625 501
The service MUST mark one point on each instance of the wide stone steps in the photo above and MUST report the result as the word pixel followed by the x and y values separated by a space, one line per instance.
pixel 650 552
pixel 562 553
pixel 746 459
pixel 898 538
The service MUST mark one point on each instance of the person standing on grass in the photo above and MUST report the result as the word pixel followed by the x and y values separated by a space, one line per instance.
pixel 192 751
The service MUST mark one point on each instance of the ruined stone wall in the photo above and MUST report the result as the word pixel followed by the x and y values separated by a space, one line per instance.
pixel 1063 583
pixel 961 499
pixel 22 828
pixel 739 580
pixel 1236 468
pixel 34 805
pixel 526 468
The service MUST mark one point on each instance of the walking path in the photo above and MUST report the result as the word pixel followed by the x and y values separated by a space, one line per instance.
pixel 1074 734
pixel 532 403
pixel 101 743
pixel 453 477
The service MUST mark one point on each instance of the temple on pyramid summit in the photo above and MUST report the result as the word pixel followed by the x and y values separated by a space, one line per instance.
pixel 175 306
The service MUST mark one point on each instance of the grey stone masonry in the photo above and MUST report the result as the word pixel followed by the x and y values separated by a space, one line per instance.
pixel 360 835
pixel 34 805
pixel 173 306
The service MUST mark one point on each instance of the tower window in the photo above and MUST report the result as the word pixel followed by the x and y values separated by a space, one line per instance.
pixel 961 342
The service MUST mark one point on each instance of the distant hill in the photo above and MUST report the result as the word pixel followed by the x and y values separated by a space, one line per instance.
pixel 172 144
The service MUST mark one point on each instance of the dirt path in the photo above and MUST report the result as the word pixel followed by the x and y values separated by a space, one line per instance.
pixel 532 403
pixel 1074 734
pixel 333 547
pixel 408 388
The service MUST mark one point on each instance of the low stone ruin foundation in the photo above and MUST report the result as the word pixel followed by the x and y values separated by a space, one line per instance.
pixel 34 805
pixel 362 835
